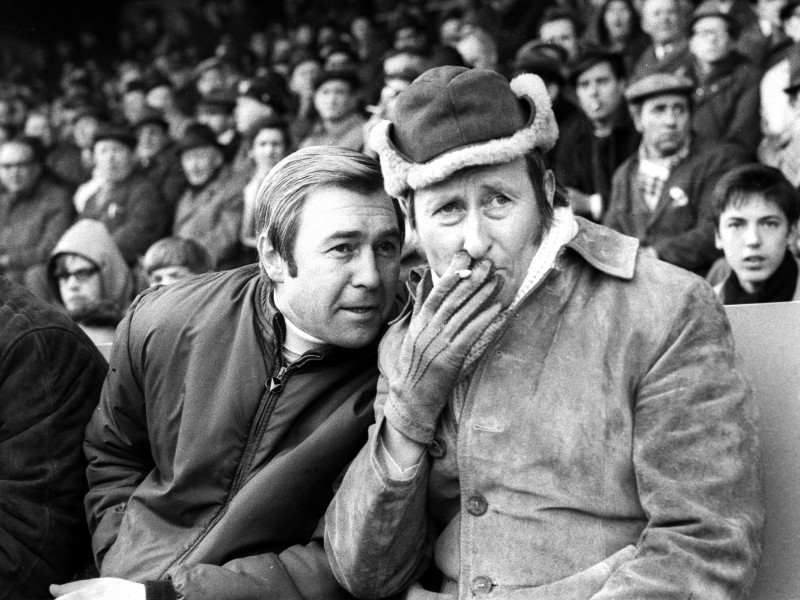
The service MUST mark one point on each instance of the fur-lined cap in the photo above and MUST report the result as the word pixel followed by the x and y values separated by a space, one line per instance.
pixel 451 118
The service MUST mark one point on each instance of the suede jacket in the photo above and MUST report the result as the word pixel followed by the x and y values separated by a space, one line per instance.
pixel 606 449
pixel 211 463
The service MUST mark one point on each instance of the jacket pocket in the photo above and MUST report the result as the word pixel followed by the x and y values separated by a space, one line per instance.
pixel 580 586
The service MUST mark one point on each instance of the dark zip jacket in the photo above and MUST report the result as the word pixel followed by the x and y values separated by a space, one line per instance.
pixel 212 462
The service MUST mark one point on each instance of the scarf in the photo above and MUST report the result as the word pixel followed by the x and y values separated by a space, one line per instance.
pixel 779 287
pixel 653 174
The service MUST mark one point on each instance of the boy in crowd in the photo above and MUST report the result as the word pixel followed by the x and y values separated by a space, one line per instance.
pixel 755 214
pixel 174 258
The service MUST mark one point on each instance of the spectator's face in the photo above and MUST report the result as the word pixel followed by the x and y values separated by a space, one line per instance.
pixel 770 10
pixel 710 41
pixel 84 131
pixel 303 76
pixel 754 234
pixel 38 125
pixel 160 97
pixel 334 100
pixel 561 32
pixel 217 121
pixel 200 164
pixel 409 38
pixel 490 212
pixel 391 89
pixel 79 283
pixel 113 160
pixel 269 147
pixel 476 53
pixel 450 32
pixel 210 80
pixel 347 254
pixel 618 20
pixel 792 25
pixel 167 275
pixel 661 19
pixel 599 92
pixel 338 61
pixel 133 103
pixel 151 140
pixel 19 170
pixel 664 123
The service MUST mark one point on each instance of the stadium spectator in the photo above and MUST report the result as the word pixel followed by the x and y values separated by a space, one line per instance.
pixel 726 101
pixel 592 147
pixel 665 22
pixel 755 216
pixel 157 157
pixel 35 210
pixel 50 380
pixel 339 121
pixel 561 27
pixel 90 278
pixel 210 210
pixel 662 193
pixel 617 28
pixel 127 202
pixel 171 259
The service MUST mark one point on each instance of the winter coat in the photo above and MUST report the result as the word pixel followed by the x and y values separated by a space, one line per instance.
pixel 212 215
pixel 132 210
pixel 681 228
pixel 727 103
pixel 211 463
pixel 606 448
pixel 30 225
pixel 50 380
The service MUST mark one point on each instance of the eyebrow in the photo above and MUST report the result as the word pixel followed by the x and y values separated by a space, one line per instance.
pixel 358 234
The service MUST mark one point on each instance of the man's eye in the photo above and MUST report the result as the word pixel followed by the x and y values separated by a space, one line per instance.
pixel 388 248
pixel 447 209
pixel 343 248
pixel 500 200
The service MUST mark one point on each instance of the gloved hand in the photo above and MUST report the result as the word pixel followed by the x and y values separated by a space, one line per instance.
pixel 441 332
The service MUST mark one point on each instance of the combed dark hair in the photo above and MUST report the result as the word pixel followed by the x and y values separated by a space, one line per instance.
pixel 176 252
pixel 536 170
pixel 737 186
pixel 282 194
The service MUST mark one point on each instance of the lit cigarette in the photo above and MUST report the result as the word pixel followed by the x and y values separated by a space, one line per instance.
pixel 464 273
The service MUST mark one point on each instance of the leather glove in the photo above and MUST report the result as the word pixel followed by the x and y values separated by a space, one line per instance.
pixel 442 330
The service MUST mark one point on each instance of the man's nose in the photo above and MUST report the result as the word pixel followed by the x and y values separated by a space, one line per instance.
pixel 365 270
pixel 476 237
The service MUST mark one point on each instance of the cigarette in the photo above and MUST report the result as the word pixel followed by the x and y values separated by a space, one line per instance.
pixel 464 273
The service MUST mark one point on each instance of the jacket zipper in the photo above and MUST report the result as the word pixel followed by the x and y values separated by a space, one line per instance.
pixel 273 388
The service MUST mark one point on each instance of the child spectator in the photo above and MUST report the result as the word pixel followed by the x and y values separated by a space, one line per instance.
pixel 755 211
pixel 174 258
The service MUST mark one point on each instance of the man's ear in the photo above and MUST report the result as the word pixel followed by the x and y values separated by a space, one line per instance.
pixel 272 263
pixel 549 186
pixel 636 115
pixel 717 239
pixel 794 234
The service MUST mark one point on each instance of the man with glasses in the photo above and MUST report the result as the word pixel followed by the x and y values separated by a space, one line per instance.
pixel 35 210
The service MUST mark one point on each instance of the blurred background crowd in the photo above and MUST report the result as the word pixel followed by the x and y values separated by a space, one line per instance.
pixel 133 135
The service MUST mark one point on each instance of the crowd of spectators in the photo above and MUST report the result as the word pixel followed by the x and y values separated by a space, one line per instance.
pixel 169 131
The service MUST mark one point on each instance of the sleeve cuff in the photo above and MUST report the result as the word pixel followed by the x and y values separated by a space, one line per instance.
pixel 394 470
pixel 160 590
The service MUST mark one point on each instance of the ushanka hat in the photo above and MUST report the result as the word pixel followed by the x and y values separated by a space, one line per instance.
pixel 451 118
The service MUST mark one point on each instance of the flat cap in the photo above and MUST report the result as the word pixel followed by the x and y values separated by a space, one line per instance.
pixel 713 8
pixel 658 84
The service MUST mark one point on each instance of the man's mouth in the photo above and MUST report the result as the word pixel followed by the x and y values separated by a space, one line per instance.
pixel 361 310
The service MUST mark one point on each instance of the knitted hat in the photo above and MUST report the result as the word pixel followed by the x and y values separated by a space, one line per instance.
pixel 451 118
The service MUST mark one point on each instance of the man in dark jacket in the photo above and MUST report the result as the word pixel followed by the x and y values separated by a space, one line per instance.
pixel 35 210
pixel 235 400
pixel 662 194
pixel 593 146
pixel 122 199
pixel 50 380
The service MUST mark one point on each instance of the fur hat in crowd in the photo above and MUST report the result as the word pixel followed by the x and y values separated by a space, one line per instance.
pixel 451 118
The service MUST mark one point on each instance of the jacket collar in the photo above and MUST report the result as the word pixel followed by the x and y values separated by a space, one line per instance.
pixel 605 249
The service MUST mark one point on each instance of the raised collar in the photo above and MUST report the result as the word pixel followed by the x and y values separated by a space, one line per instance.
pixel 605 249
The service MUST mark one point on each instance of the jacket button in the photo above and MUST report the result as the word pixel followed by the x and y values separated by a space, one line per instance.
pixel 477 505
pixel 437 448
pixel 481 585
